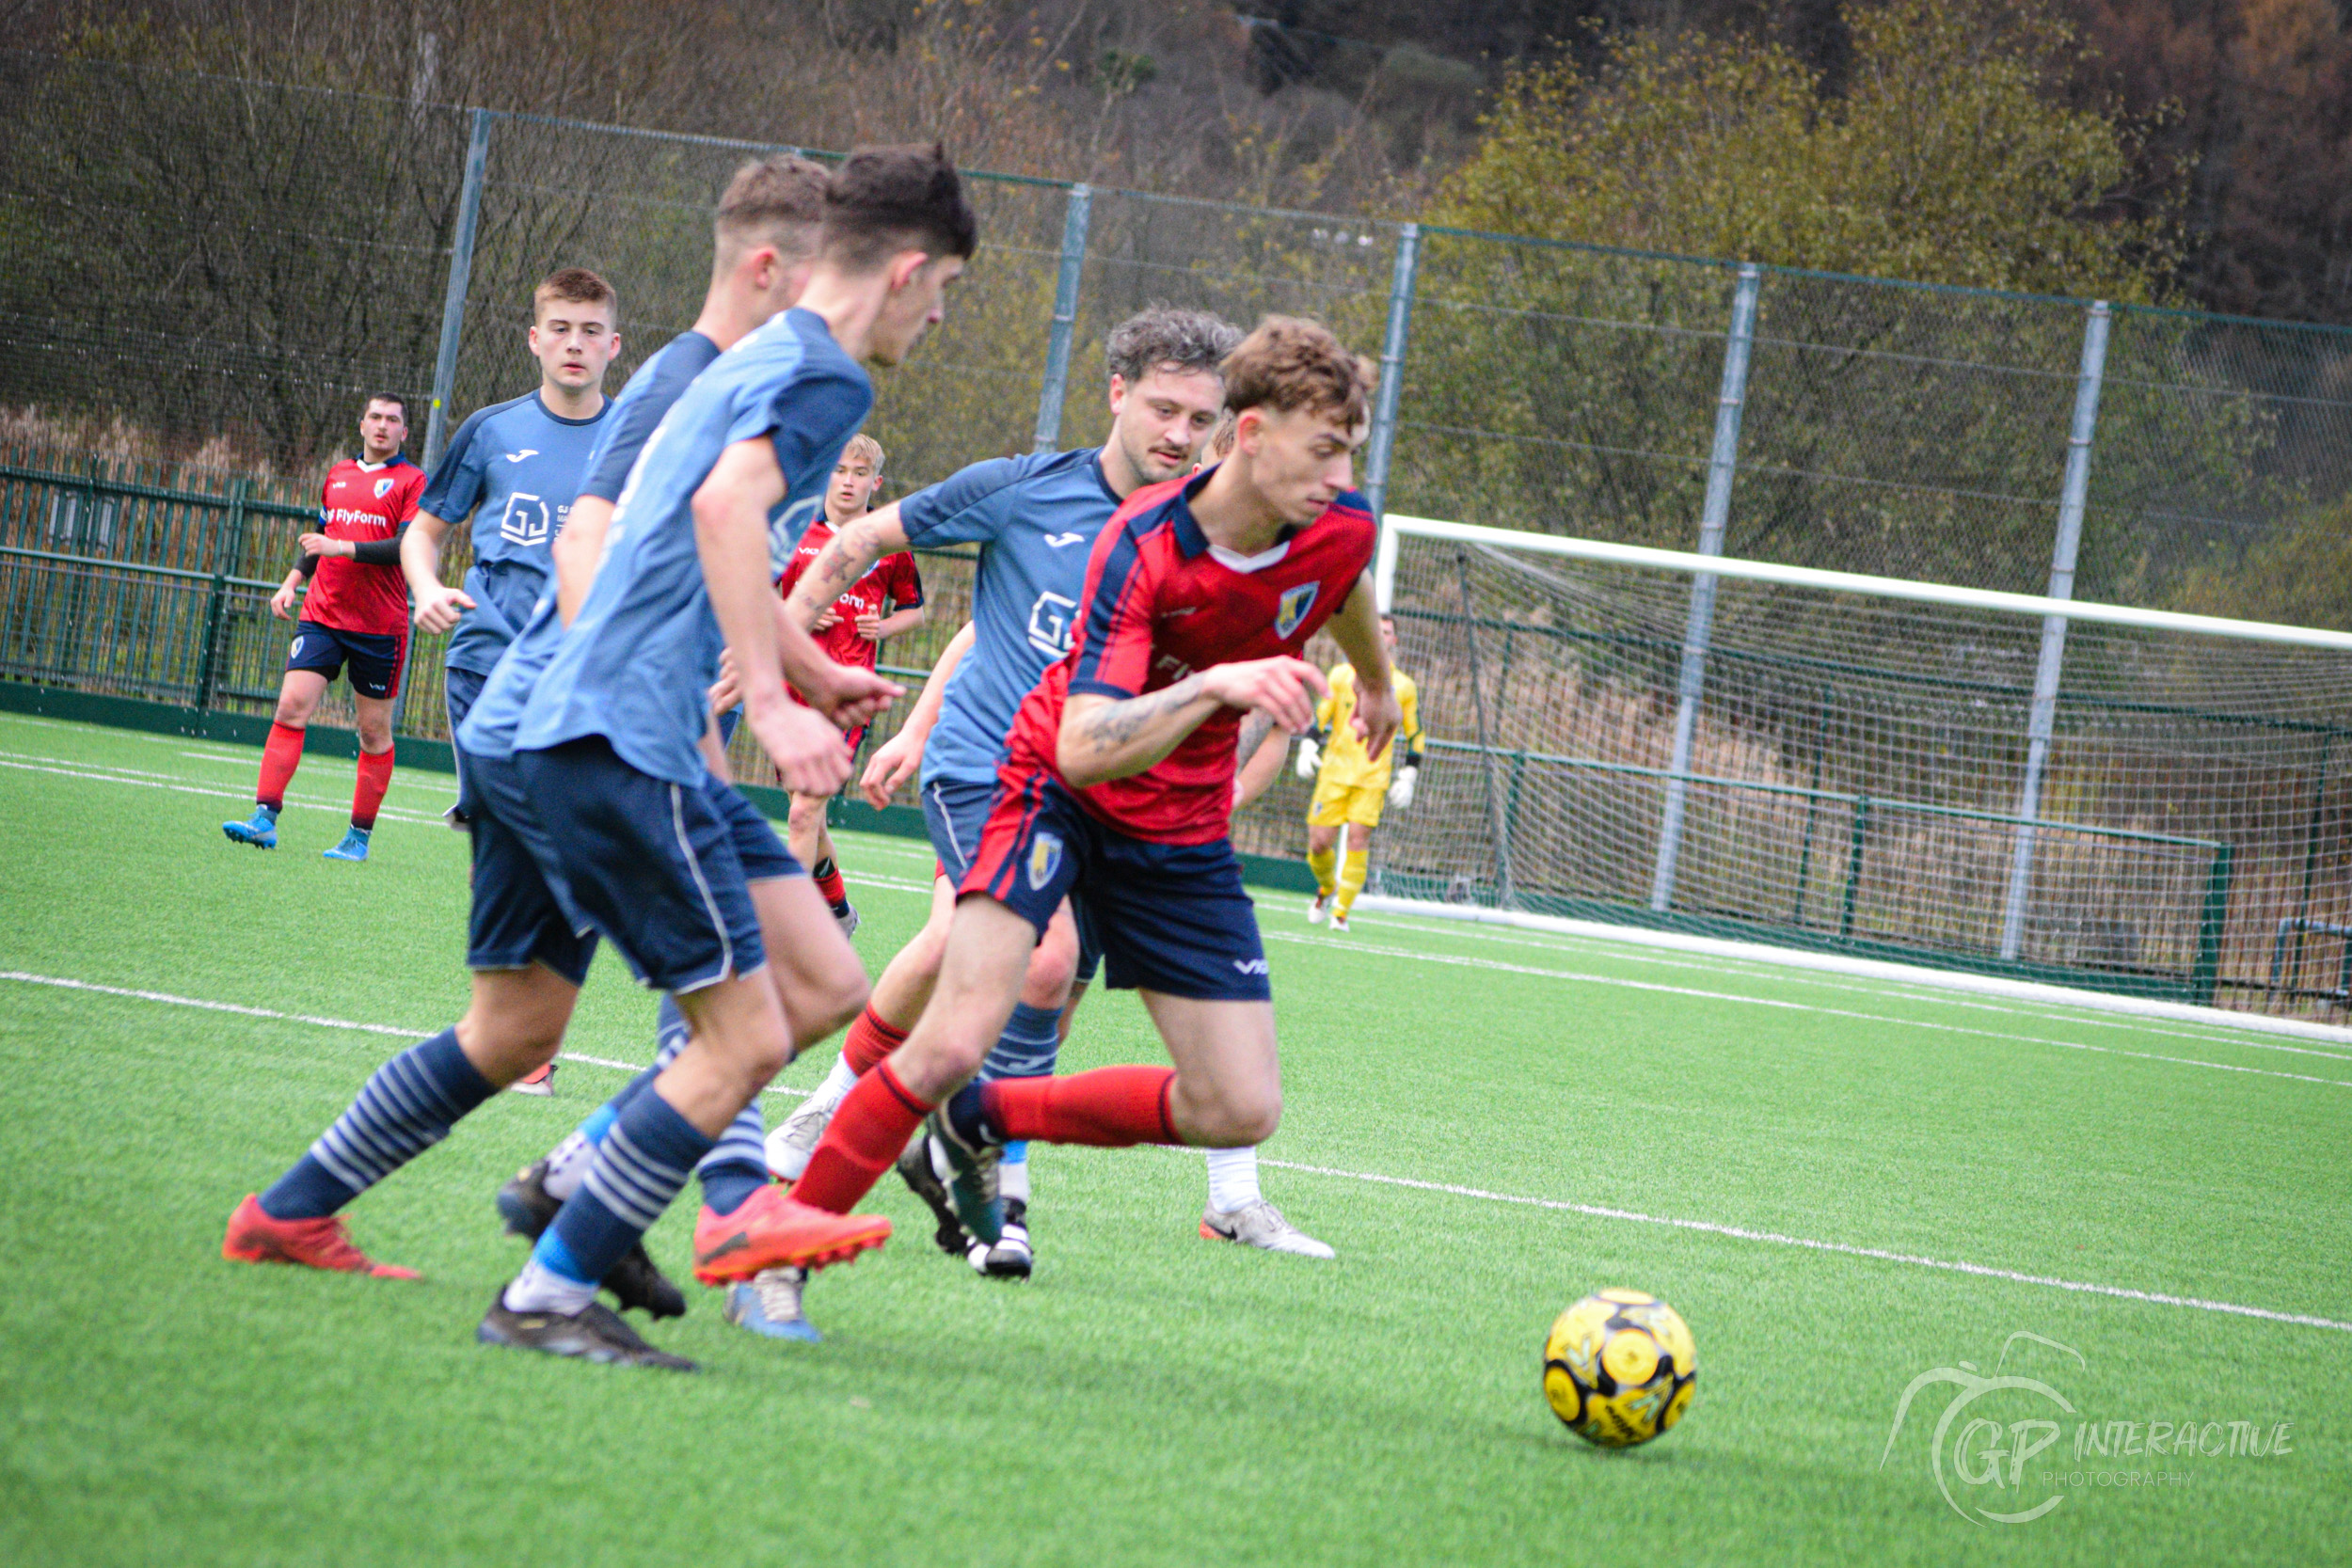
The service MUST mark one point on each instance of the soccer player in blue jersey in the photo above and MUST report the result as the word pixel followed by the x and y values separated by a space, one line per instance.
pixel 765 240
pixel 765 235
pixel 606 786
pixel 513 469
pixel 1036 518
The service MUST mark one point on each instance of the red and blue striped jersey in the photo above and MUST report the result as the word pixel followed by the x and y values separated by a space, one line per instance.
pixel 1162 603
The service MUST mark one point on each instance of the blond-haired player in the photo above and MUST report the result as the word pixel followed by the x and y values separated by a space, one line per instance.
pixel 1351 788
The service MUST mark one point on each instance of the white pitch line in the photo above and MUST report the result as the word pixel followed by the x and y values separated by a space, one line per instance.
pixel 1463 960
pixel 169 999
pixel 1592 1211
pixel 139 783
pixel 1848 1249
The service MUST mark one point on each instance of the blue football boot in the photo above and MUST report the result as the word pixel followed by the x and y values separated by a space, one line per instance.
pixel 353 848
pixel 261 832
pixel 769 1303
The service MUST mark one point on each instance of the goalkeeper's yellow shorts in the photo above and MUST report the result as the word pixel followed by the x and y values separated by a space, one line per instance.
pixel 1335 804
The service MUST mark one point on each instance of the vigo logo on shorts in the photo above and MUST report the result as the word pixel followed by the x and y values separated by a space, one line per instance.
pixel 1044 860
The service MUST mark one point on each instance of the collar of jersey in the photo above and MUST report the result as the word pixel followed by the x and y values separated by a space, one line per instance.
pixel 367 468
pixel 536 398
pixel 1192 539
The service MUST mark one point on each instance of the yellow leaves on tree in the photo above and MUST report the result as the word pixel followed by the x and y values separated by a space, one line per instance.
pixel 1948 158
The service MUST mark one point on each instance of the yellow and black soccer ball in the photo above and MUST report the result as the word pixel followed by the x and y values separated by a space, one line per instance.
pixel 1619 1367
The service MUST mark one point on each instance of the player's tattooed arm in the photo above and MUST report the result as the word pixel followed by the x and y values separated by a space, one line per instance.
pixel 1106 737
pixel 847 557
pixel 1356 630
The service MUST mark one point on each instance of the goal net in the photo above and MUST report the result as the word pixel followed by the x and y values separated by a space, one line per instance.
pixel 1873 766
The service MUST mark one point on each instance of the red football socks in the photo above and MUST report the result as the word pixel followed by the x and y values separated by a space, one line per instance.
pixel 280 756
pixel 871 1038
pixel 1111 1107
pixel 868 1133
pixel 828 878
pixel 367 796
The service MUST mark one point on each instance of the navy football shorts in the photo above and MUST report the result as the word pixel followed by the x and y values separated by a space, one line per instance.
pixel 519 917
pixel 652 864
pixel 956 813
pixel 1169 917
pixel 758 847
pixel 374 657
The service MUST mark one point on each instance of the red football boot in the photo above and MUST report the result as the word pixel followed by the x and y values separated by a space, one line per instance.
pixel 321 1244
pixel 770 1231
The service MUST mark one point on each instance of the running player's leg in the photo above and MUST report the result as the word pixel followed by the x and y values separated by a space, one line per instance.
pixel 1028 1048
pixel 1323 859
pixel 955 814
pixel 313 662
pixel 898 998
pixel 652 864
pixel 528 962
pixel 1356 865
pixel 373 720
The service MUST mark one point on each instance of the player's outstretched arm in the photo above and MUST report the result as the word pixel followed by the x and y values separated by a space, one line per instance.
pixel 439 607
pixel 731 538
pixel 900 758
pixel 577 549
pixel 1112 737
pixel 847 557
pixel 1356 630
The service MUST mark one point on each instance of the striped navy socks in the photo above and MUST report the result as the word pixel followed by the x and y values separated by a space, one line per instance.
pixel 405 1109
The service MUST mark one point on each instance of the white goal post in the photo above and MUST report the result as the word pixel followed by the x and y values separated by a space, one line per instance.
pixel 1846 750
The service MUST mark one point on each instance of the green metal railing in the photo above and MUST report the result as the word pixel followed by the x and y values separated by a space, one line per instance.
pixel 2213 899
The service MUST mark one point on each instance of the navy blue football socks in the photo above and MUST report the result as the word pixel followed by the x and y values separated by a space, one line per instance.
pixel 640 1166
pixel 408 1105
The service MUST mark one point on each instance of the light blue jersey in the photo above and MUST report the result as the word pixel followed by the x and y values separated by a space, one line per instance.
pixel 660 382
pixel 636 663
pixel 1035 519
pixel 514 469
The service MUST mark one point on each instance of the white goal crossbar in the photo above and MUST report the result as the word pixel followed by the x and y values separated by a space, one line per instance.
pixel 1690 564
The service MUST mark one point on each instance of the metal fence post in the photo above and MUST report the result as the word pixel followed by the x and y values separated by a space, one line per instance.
pixel 1721 467
pixel 2042 718
pixel 227 555
pixel 1382 444
pixel 460 278
pixel 1074 256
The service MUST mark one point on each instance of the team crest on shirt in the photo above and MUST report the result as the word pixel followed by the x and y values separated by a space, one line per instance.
pixel 1044 860
pixel 383 488
pixel 1293 609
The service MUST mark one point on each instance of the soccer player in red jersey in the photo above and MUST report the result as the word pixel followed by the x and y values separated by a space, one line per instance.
pixel 357 613
pixel 1200 595
pixel 887 601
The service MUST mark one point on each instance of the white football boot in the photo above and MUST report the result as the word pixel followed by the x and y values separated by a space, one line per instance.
pixel 1260 1225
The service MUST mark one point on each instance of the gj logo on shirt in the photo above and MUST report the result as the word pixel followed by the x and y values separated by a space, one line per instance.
pixel 526 520
pixel 1049 624
pixel 383 488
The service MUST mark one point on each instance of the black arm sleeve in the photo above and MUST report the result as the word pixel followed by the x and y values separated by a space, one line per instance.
pixel 379 552
pixel 308 565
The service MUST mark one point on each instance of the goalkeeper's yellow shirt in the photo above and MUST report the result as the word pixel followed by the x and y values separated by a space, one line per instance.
pixel 1344 765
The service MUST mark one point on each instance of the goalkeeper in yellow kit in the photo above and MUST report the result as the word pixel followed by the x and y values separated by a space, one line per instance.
pixel 1351 787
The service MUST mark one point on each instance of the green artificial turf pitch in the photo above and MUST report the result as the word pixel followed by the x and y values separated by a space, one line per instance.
pixel 1149 1396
